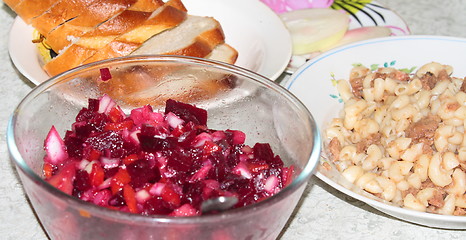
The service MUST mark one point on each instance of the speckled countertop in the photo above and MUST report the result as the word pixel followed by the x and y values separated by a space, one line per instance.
pixel 323 212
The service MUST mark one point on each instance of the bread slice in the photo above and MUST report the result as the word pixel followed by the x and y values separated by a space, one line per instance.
pixel 126 43
pixel 96 13
pixel 92 41
pixel 223 53
pixel 195 37
pixel 12 3
pixel 58 14
pixel 146 5
pixel 29 9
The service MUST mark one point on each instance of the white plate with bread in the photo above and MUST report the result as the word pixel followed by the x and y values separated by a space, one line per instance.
pixel 259 37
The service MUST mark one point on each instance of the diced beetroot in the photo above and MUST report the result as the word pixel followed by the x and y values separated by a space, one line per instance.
pixel 109 141
pixel 142 174
pixel 156 205
pixel 187 112
pixel 81 182
pixel 263 151
pixel 55 148
pixel 105 74
pixel 158 163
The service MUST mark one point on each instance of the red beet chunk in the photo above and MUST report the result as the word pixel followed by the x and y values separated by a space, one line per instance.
pixel 109 142
pixel 187 112
pixel 142 174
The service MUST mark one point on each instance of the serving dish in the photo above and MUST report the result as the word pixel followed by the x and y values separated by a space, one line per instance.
pixel 263 42
pixel 368 14
pixel 272 114
pixel 313 83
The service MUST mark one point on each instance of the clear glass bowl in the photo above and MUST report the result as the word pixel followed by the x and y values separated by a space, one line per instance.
pixel 235 98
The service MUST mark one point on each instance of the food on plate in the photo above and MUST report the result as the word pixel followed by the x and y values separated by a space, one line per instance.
pixel 117 37
pixel 164 163
pixel 316 30
pixel 401 136
pixel 28 9
pixel 76 32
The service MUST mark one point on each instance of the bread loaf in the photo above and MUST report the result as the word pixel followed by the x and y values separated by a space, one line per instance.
pixel 92 41
pixel 85 31
pixel 59 13
pixel 96 13
pixel 28 9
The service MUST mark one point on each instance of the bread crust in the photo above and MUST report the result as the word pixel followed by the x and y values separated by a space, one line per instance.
pixel 93 40
pixel 59 13
pixel 126 43
pixel 29 9
pixel 95 14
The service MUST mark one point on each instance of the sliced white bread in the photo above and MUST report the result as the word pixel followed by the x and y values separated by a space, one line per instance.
pixel 196 36
pixel 223 53
pixel 123 45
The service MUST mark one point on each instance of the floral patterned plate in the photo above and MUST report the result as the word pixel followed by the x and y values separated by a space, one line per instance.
pixel 363 13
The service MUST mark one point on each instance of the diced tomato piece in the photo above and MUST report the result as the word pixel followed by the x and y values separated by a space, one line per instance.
pixel 256 167
pixel 94 155
pixel 121 178
pixel 170 196
pixel 97 175
pixel 63 180
pixel 130 198
pixel 130 159
pixel 210 147
pixel 116 114
pixel 117 126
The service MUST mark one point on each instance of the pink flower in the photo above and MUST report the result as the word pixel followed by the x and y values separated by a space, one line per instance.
pixel 280 6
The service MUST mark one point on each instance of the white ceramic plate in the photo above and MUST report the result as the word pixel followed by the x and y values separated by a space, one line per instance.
pixel 370 14
pixel 262 40
pixel 312 84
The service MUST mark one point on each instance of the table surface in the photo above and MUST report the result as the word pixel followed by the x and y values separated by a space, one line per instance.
pixel 323 212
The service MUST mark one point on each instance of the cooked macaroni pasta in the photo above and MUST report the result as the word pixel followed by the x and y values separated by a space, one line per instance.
pixel 402 137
